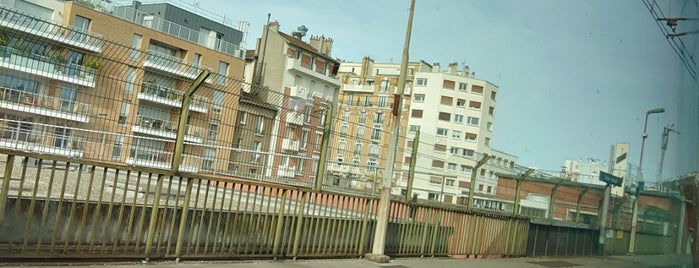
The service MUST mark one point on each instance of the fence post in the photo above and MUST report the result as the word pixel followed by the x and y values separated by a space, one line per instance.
pixel 183 221
pixel 322 163
pixel 552 198
pixel 411 170
pixel 280 223
pixel 299 223
pixel 515 209
pixel 680 227
pixel 154 216
pixel 4 192
pixel 577 205
pixel 472 186
pixel 184 115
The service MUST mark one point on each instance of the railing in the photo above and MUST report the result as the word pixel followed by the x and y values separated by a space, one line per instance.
pixel 154 22
pixel 27 61
pixel 22 136
pixel 295 64
pixel 168 127
pixel 44 105
pixel 358 88
pixel 67 34
pixel 172 97
pixel 290 145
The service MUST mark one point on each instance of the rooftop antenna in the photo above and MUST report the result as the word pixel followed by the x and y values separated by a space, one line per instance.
pixel 300 32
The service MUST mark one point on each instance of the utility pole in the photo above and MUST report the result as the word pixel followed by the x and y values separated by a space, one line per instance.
pixel 663 147
pixel 377 251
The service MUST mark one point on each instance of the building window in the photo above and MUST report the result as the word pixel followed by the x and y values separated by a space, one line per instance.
pixel 255 156
pixel 444 116
pixel 82 25
pixel 374 150
pixel 304 139
pixel 489 126
pixel 130 80
pixel 382 101
pixel 222 73
pixel 472 121
pixel 345 115
pixel 208 161
pixel 421 82
pixel 343 130
pixel 458 118
pixel 376 134
pixel 487 141
pixel 465 169
pixel 456 134
pixel 217 105
pixel 360 133
pixel 419 98
pixel 367 100
pixel 469 152
pixel 213 130
pixel 474 105
pixel 379 118
pixel 259 127
pixel 443 132
pixel 118 147
pixel 357 149
pixel 318 142
pixel 243 117
pixel 448 84
pixel 463 86
pixel 362 117
pixel 478 90
pixel 350 98
pixel 461 103
pixel 471 137
pixel 454 150
pixel 384 86
pixel 416 114
pixel 491 110
pixel 196 60
pixel 438 163
pixel 135 47
pixel 441 148
pixel 414 128
pixel 451 166
pixel 446 100
pixel 492 95
pixel 433 196
pixel 124 112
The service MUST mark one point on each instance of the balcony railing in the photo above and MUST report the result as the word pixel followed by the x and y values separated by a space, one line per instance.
pixel 170 97
pixel 17 135
pixel 359 88
pixel 286 172
pixel 170 64
pixel 295 118
pixel 147 157
pixel 39 104
pixel 66 34
pixel 165 128
pixel 159 24
pixel 294 64
pixel 28 62
pixel 290 145
pixel 298 92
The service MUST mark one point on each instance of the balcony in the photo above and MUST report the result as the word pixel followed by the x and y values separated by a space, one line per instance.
pixel 286 172
pixel 165 129
pixel 295 65
pixel 345 168
pixel 65 34
pixel 170 97
pixel 192 35
pixel 298 92
pixel 53 68
pixel 159 159
pixel 290 145
pixel 39 104
pixel 172 65
pixel 16 136
pixel 295 118
pixel 359 88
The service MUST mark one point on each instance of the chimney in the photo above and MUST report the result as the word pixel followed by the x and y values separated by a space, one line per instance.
pixel 467 71
pixel 322 44
pixel 274 26
pixel 435 67
pixel 452 68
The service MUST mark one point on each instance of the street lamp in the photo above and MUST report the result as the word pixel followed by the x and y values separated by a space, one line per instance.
pixel 639 184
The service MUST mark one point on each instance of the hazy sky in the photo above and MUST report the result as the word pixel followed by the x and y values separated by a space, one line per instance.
pixel 575 76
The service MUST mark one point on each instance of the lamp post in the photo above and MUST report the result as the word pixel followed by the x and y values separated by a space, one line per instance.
pixel 639 184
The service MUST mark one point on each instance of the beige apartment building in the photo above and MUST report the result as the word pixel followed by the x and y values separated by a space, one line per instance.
pixel 69 86
pixel 359 146
pixel 300 79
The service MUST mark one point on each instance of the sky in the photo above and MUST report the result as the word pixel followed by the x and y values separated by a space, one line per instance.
pixel 574 77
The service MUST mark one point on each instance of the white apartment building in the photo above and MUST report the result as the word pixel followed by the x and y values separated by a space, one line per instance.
pixel 455 113
pixel 584 170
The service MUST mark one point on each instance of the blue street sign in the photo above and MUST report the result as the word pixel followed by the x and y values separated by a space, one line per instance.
pixel 610 179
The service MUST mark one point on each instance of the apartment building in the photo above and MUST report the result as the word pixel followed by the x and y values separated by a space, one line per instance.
pixel 454 112
pixel 359 146
pixel 302 82
pixel 71 88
